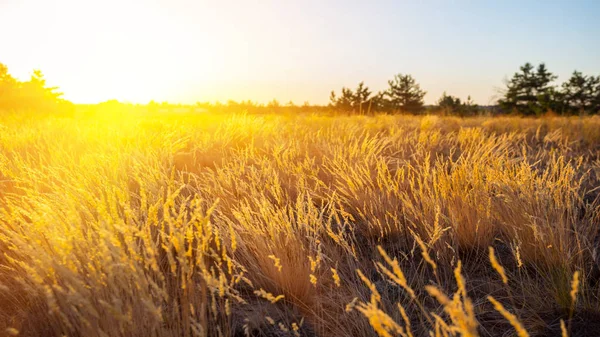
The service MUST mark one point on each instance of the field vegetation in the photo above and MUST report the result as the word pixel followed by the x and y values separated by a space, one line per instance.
pixel 161 224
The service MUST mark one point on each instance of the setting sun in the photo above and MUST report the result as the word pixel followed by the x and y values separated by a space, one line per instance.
pixel 131 51
pixel 188 51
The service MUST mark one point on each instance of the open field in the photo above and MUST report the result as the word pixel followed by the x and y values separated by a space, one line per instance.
pixel 195 225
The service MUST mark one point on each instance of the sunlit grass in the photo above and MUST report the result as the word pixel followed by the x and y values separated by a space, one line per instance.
pixel 154 224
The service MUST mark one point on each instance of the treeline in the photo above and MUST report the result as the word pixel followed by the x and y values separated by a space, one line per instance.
pixel 274 106
pixel 529 92
pixel 33 94
pixel 403 95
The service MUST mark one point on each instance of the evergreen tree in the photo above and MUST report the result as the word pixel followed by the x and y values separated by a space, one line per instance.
pixel 449 105
pixel 361 98
pixel 405 94
pixel 596 96
pixel 379 103
pixel 470 108
pixel 350 101
pixel 37 93
pixel 579 92
pixel 33 94
pixel 529 92
pixel 8 88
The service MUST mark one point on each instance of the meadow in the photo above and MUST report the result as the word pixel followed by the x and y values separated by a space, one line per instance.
pixel 310 225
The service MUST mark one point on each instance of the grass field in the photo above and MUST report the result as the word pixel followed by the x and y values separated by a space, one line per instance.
pixel 199 225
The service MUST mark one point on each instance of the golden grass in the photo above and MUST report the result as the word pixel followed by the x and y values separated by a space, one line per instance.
pixel 200 225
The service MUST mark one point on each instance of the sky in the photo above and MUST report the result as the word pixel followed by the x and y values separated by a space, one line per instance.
pixel 187 51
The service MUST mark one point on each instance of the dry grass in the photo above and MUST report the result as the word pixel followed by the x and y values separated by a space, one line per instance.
pixel 188 225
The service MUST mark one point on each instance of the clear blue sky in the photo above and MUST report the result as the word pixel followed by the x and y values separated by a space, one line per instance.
pixel 291 50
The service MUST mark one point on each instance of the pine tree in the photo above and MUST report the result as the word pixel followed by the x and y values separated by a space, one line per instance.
pixel 449 105
pixel 529 92
pixel 405 94
pixel 8 88
pixel 579 92
pixel 350 101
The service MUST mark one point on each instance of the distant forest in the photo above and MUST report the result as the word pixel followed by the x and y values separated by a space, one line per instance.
pixel 530 92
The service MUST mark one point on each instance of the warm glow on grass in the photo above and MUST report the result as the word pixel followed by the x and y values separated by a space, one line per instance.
pixel 144 223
